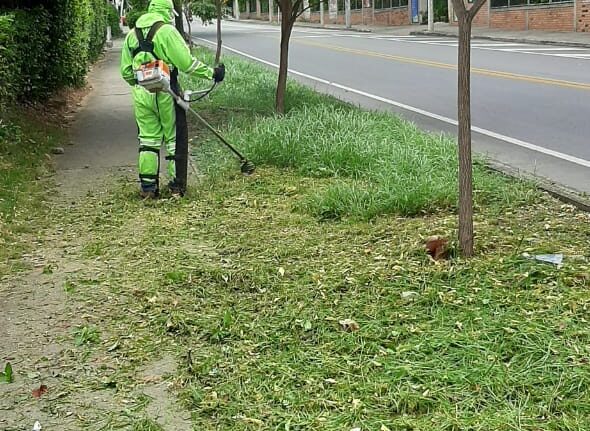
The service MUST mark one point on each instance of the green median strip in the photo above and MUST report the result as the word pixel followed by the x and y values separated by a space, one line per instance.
pixel 302 299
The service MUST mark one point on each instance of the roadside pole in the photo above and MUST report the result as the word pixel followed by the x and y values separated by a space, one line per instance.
pixel 347 17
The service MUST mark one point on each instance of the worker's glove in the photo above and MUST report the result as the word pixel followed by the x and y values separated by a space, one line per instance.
pixel 219 73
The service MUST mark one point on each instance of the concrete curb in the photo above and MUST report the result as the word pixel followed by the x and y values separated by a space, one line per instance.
pixel 504 39
pixel 301 25
pixel 556 190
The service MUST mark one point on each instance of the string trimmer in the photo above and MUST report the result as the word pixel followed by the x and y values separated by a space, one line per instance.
pixel 155 77
pixel 246 166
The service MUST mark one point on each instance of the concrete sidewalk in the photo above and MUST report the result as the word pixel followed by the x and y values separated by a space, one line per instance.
pixel 104 134
pixel 576 39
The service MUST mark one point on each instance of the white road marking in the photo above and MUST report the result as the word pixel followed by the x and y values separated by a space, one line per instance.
pixel 519 48
pixel 528 48
pixel 489 133
pixel 491 45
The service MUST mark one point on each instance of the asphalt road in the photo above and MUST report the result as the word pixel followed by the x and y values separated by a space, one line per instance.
pixel 530 103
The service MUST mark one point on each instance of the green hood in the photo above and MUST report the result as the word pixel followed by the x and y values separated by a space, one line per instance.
pixel 158 10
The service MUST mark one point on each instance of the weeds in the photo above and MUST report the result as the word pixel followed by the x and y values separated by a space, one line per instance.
pixel 23 163
pixel 86 335
pixel 249 295
pixel 378 163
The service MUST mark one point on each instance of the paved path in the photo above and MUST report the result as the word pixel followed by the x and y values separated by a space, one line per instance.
pixel 104 135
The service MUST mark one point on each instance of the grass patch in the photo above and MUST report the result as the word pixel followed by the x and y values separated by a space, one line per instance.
pixel 24 167
pixel 378 163
pixel 247 294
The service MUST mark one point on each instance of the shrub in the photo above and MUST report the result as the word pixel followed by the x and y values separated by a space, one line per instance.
pixel 24 59
pixel 113 17
pixel 47 47
pixel 133 16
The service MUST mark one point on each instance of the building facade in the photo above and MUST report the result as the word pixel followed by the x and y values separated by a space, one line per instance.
pixel 363 12
pixel 545 15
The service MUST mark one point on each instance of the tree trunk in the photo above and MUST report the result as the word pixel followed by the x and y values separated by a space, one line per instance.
pixel 286 27
pixel 188 26
pixel 178 19
pixel 218 52
pixel 464 117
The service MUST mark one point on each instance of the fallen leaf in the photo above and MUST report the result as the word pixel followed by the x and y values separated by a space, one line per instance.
pixel 409 295
pixel 38 392
pixel 349 325
pixel 436 247
pixel 281 271
pixel 152 379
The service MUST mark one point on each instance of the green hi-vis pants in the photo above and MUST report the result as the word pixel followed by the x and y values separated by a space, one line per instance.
pixel 155 114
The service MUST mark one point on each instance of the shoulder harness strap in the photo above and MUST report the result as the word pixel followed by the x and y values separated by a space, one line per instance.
pixel 146 44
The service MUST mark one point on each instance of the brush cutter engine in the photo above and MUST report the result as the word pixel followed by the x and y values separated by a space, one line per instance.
pixel 154 76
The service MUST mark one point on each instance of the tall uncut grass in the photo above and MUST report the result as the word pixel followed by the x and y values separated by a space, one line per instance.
pixel 379 163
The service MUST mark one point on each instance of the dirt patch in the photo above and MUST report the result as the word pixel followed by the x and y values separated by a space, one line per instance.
pixel 38 319
pixel 162 407
pixel 38 316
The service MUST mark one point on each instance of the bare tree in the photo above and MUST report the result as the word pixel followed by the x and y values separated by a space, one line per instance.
pixel 178 7
pixel 188 15
pixel 290 11
pixel 465 16
pixel 219 12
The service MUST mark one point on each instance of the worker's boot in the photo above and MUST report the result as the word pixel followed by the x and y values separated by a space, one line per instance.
pixel 176 189
pixel 148 191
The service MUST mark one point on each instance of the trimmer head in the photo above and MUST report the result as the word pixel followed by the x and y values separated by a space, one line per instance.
pixel 247 167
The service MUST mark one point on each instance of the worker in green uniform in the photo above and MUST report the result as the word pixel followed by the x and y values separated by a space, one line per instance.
pixel 158 116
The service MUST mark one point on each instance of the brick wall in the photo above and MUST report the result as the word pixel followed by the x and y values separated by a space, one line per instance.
pixel 387 17
pixel 547 18
pixel 315 17
pixel 482 19
pixel 583 16
pixel 508 19
pixel 551 18
pixel 399 16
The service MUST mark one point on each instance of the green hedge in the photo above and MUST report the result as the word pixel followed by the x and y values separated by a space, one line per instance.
pixel 133 16
pixel 7 56
pixel 45 48
pixel 113 17
pixel 23 68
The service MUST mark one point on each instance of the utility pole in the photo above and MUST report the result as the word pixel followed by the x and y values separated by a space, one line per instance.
pixel 270 5
pixel 347 17
pixel 236 9
pixel 431 15
pixel 321 12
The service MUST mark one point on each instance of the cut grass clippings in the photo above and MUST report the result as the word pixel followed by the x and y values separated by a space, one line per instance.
pixel 24 168
pixel 246 283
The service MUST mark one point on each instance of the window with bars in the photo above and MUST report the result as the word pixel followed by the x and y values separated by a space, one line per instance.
pixel 388 4
pixel 516 3
pixel 354 5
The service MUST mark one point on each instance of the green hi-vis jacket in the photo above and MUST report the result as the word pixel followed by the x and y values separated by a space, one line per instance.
pixel 169 46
